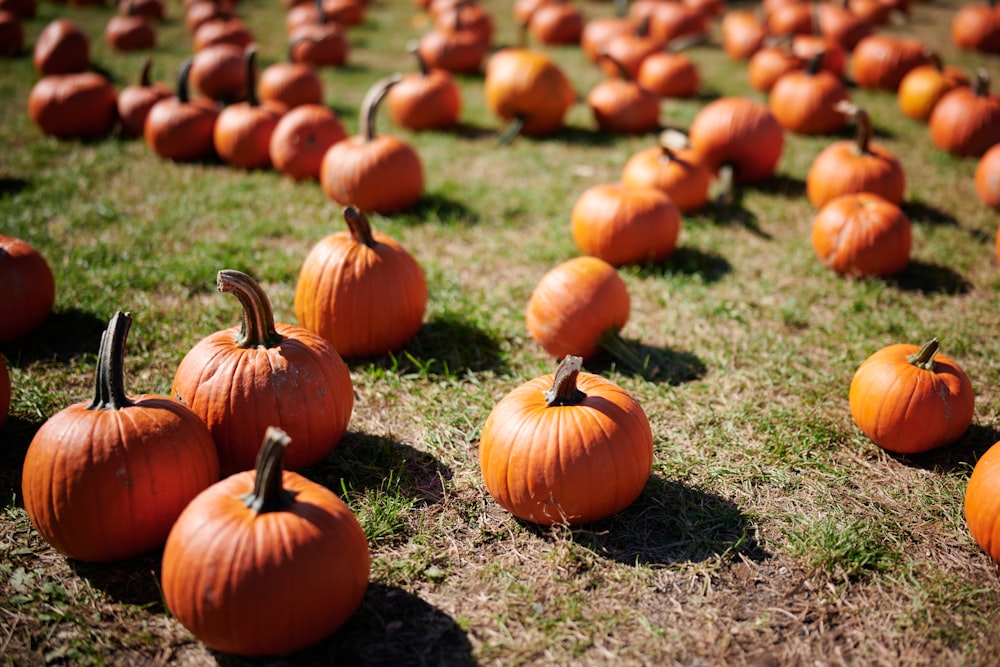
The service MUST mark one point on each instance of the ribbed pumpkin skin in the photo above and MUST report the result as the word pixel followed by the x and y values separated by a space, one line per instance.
pixel 806 102
pixel 301 384
pixel 267 584
pixel 625 225
pixel 567 464
pixel 574 303
pixel 383 175
pixel 431 101
pixel 301 139
pixel 923 86
pixel 681 174
pixel 988 178
pixel 365 300
pixel 27 288
pixel 842 169
pixel 862 234
pixel 982 502
pixel 881 61
pixel 965 122
pixel 906 409
pixel 73 106
pixel 740 131
pixel 525 83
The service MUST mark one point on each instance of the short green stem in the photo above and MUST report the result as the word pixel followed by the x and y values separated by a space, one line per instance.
pixel 925 357
pixel 269 494
pixel 109 384
pixel 258 316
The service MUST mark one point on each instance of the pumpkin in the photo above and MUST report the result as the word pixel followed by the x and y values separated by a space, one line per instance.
pixel 374 173
pixel 557 22
pixel 625 225
pixel 966 121
pixel 83 105
pixel 243 379
pixel 219 72
pixel 832 57
pixel 987 179
pixel 669 74
pixel 924 85
pixel 578 308
pixel 628 51
pixel 27 288
pixel 855 166
pixel 909 399
pixel 528 89
pixel 739 132
pixel 453 49
pixel 150 9
pixel 622 105
pixel 128 31
pixel 361 290
pixel 104 481
pixel 669 20
pixel 179 129
pixel 247 551
pixel 301 139
pixel 321 44
pixel 791 18
pixel 466 15
pixel 566 448
pixel 677 171
pixel 770 63
pixel 5 391
pixel 242 133
pixel 231 30
pixel 840 25
pixel 290 84
pixel 976 27
pixel 982 502
pixel 597 32
pixel 805 101
pixel 743 32
pixel 135 101
pixel 426 99
pixel 861 234
pixel 11 33
pixel 61 48
pixel 523 9
pixel 202 11
pixel 24 9
pixel 881 61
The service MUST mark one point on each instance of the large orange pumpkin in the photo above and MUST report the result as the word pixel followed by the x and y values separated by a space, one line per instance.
pixel 266 561
pixel 568 448
pixel 982 502
pixel 105 480
pixel 243 379
pixel 361 290
pixel 527 88
pixel 862 234
pixel 27 288
pixel 740 132
pixel 881 60
pixel 909 399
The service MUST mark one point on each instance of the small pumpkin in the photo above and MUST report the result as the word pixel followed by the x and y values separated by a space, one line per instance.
pixel 361 290
pixel 855 166
pixel 982 502
pixel 628 50
pixel 923 86
pixel 805 101
pixel 976 27
pixel 426 99
pixel 770 63
pixel 242 132
pixel 669 74
pixel 881 60
pixel 127 31
pixel 248 550
pixel 222 30
pixel 740 132
pixel 840 25
pixel 11 33
pixel 219 72
pixel 61 48
pixel 966 121
pixel 597 32
pixel 179 129
pixel 987 179
pixel 104 481
pixel 621 105
pixel 557 22
pixel 82 105
pixel 528 89
pixel 375 173
pixel 321 44
pixel 290 84
pixel 566 448
pixel 743 32
pixel 677 171
pixel 135 101
pixel 670 20
pixel 27 288
pixel 625 225
pixel 861 234
pixel 910 399
pixel 466 15
pixel 453 49
pixel 301 139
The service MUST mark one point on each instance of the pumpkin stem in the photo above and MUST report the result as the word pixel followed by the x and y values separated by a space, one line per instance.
pixel 413 47
pixel 513 129
pixel 614 344
pixel 251 64
pixel 369 105
pixel 361 229
pixel 109 386
pixel 564 390
pixel 726 187
pixel 925 357
pixel 258 317
pixel 815 62
pixel 622 70
pixel 147 65
pixel 268 494
pixel 182 82
pixel 981 86
pixel 863 122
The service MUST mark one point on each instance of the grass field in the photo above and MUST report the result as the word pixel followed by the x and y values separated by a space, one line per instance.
pixel 771 532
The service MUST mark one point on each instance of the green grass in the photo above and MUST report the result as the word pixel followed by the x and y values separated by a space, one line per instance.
pixel 771 529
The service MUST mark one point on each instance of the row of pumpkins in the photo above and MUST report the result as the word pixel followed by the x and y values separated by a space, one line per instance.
pixel 203 521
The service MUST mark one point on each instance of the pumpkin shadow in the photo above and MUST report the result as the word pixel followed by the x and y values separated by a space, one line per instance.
pixel 11 185
pixel 783 185
pixel 390 627
pixel 362 462
pixel 660 365
pixel 669 523
pixel 920 213
pixel 733 214
pixel 135 581
pixel 50 341
pixel 959 456
pixel 929 278
pixel 688 261
pixel 15 437
pixel 436 208
pixel 471 132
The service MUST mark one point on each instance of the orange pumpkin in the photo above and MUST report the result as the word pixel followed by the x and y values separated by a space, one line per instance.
pixel 861 234
pixel 242 132
pixel 770 63
pixel 27 288
pixel 625 225
pixel 11 33
pixel 622 105
pixel 290 84
pixel 976 27
pixel 301 139
pixel 104 481
pixel 361 291
pixel 82 105
pixel 426 99
pixel 135 101
pixel 924 85
pixel 243 379
pixel 319 44
pixel 628 50
pixel 910 399
pixel 966 121
pixel 222 30
pixel 566 448
pixel 988 179
pixel 840 25
pixel 374 173
pixel 669 75
pixel 61 48
pixel 527 88
pixel 806 100
pixel 743 32
pixel 597 32
pixel 739 132
pixel 180 129
pixel 249 549
pixel 982 502
pixel 855 166
pixel 557 22
pixel 881 60
pixel 219 72
pixel 453 49
pixel 128 31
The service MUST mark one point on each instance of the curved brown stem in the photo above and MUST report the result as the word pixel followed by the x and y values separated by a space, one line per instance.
pixel 925 357
pixel 981 86
pixel 109 384
pixel 359 226
pixel 147 65
pixel 564 390
pixel 182 82
pixel 251 65
pixel 369 105
pixel 269 494
pixel 257 329
pixel 622 70
pixel 414 48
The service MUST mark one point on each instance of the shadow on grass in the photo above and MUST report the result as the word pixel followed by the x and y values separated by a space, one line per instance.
pixel 660 365
pixel 930 279
pixel 391 627
pixel 783 186
pixel 62 336
pixel 12 186
pixel 921 213
pixel 443 210
pixel 733 214
pixel 15 436
pixel 135 581
pixel 960 455
pixel 671 523
pixel 689 261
